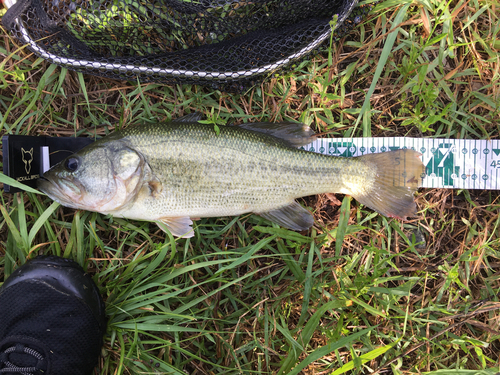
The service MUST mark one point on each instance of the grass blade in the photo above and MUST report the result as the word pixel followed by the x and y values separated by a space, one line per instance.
pixel 365 112
pixel 11 182
pixel 365 358
pixel 345 212
pixel 324 350
pixel 42 219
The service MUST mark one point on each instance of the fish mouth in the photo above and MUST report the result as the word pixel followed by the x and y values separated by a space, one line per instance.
pixel 55 191
pixel 44 184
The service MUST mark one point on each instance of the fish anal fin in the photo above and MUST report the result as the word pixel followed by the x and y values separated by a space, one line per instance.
pixel 292 216
pixel 178 226
pixel 399 174
pixel 295 134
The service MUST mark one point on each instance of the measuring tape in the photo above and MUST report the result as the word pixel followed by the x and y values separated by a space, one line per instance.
pixel 449 163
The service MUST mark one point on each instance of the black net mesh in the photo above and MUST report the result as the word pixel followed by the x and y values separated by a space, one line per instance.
pixel 223 43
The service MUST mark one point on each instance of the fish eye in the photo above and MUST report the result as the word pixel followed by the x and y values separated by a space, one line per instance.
pixel 71 164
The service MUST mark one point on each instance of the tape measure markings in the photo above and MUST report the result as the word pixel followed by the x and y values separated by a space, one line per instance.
pixel 450 163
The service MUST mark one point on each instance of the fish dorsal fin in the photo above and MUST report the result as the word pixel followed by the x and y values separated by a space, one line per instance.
pixel 192 117
pixel 178 226
pixel 293 216
pixel 294 133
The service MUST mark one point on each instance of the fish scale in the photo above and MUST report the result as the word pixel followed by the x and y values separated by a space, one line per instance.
pixel 173 172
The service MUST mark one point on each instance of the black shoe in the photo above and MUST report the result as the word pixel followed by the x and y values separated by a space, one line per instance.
pixel 51 319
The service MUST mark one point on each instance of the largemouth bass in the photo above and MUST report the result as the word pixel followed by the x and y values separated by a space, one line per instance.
pixel 177 171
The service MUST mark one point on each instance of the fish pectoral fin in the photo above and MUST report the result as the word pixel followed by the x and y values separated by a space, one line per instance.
pixel 293 216
pixel 155 188
pixel 295 134
pixel 178 226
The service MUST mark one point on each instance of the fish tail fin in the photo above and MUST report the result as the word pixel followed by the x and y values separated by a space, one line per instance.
pixel 398 175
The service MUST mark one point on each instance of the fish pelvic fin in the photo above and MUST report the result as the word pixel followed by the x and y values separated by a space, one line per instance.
pixel 398 175
pixel 178 226
pixel 292 216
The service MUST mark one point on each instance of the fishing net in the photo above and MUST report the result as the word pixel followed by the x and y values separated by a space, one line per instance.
pixel 226 44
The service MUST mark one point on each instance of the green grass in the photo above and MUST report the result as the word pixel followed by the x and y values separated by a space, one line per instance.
pixel 357 294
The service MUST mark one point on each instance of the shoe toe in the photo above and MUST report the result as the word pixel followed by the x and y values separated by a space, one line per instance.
pixel 50 307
